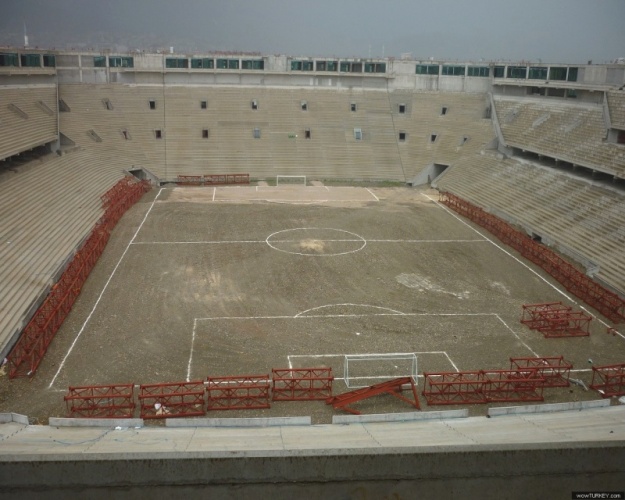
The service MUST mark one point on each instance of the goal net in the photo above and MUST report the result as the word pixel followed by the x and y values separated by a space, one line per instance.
pixel 362 370
pixel 290 180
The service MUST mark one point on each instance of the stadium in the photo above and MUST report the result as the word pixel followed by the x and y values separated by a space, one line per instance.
pixel 176 224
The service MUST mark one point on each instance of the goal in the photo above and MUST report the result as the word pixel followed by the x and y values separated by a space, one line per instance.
pixel 290 180
pixel 362 370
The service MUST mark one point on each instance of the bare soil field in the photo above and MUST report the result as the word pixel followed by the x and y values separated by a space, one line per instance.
pixel 199 282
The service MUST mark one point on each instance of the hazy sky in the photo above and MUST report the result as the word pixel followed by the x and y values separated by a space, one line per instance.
pixel 550 30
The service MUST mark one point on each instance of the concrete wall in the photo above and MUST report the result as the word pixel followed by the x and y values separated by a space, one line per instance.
pixel 498 471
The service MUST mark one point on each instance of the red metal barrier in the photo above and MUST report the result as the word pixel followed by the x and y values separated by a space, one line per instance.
pixel 392 387
pixel 243 392
pixel 454 388
pixel 553 319
pixel 176 399
pixel 553 369
pixel 513 385
pixel 100 401
pixel 224 179
pixel 212 180
pixel 301 384
pixel 190 180
pixel 609 380
pixel 28 351
pixel 603 300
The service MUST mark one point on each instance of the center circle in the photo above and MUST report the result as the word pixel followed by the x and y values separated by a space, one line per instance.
pixel 316 241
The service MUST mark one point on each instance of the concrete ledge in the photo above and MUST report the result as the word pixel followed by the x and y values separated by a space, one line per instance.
pixel 95 422
pixel 519 410
pixel 400 417
pixel 5 418
pixel 237 422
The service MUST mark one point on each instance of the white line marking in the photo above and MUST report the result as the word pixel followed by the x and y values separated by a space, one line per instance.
pixel 257 189
pixel 191 354
pixel 519 261
pixel 214 193
pixel 360 238
pixel 234 242
pixel 518 338
pixel 452 363
pixel 327 188
pixel 373 194
pixel 342 316
pixel 350 305
pixel 71 347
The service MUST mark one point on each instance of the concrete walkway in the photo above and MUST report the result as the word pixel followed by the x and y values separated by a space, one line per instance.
pixel 27 442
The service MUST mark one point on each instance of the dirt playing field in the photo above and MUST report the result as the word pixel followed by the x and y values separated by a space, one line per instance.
pixel 199 282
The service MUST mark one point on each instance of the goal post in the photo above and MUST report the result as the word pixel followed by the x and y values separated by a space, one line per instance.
pixel 291 180
pixel 362 370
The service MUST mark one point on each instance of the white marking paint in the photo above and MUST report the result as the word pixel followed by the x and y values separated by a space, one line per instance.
pixel 360 239
pixel 373 194
pixel 191 354
pixel 82 329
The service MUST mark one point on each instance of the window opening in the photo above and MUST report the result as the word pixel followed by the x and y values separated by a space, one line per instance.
pixel 433 137
pixel 402 136
pixel 358 134
pixel 92 133
pixel 304 106
pixel 158 134
pixel 427 69
pixel 256 133
pixel 254 104
pixel 107 103
pixel 125 134
pixel 205 133
pixel 44 107
pixel 352 106
pixel 152 104
pixel 307 133
pixel 63 107
pixel 402 108
pixel 444 110
pixel 19 112
pixel 203 104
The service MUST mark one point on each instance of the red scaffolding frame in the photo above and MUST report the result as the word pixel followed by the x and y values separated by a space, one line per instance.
pixel 553 369
pixel 30 348
pixel 609 380
pixel 554 319
pixel 603 300
pixel 392 387
pixel 212 179
pixel 242 392
pixel 301 384
pixel 100 401
pixel 505 386
pixel 454 388
pixel 173 399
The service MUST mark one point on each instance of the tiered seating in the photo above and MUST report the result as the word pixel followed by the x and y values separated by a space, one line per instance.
pixel 331 152
pixel 571 132
pixel 28 117
pixel 47 208
pixel 130 111
pixel 423 117
pixel 616 104
pixel 573 213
